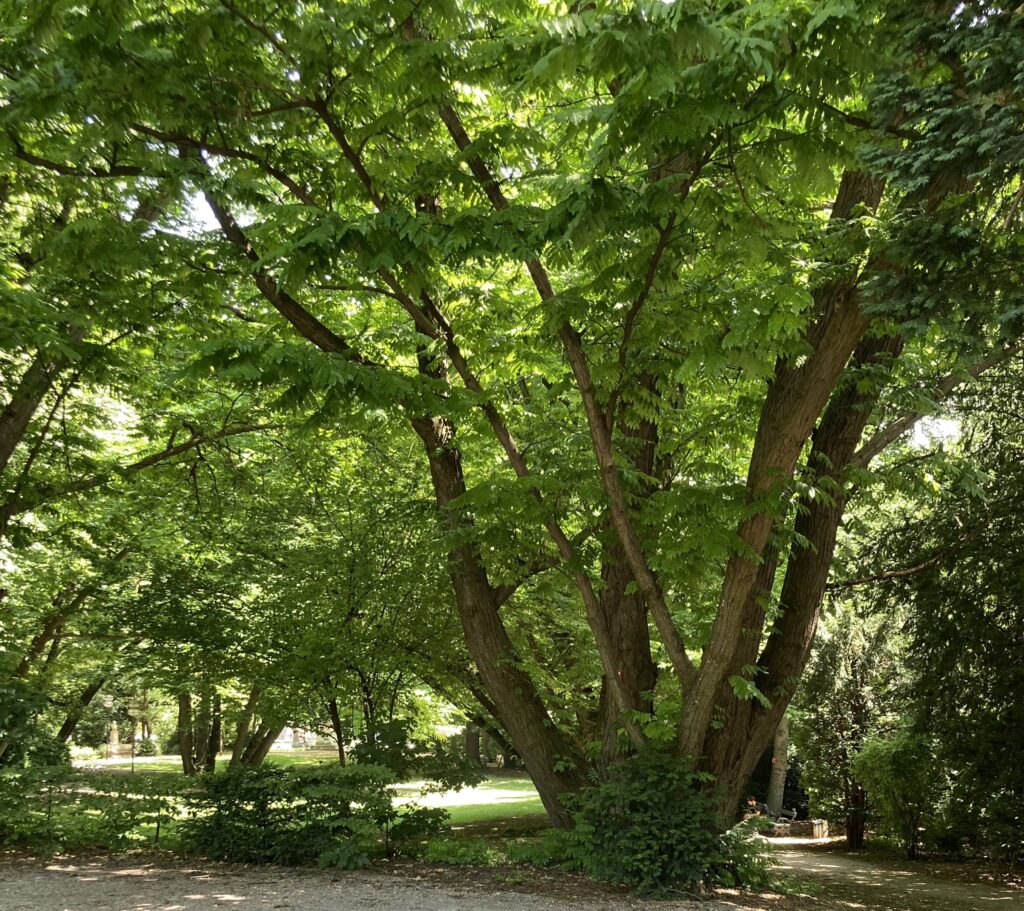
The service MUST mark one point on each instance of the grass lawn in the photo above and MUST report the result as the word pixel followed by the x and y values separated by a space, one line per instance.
pixel 500 797
pixel 150 764
pixel 504 800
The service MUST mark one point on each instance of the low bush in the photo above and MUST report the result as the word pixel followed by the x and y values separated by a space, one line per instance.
pixel 51 809
pixel 329 815
pixel 651 827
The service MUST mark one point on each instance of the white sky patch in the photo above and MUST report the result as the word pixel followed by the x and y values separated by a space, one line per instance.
pixel 930 431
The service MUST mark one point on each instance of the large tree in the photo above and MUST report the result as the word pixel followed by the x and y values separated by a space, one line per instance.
pixel 638 277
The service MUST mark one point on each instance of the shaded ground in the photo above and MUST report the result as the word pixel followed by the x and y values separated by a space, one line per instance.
pixel 840 881
pixel 150 882
pixel 159 884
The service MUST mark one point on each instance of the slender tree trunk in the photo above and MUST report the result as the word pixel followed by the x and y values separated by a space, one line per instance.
pixel 339 730
pixel 75 715
pixel 214 742
pixel 185 739
pixel 244 725
pixel 780 761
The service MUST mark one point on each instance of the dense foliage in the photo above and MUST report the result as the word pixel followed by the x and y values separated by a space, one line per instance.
pixel 371 366
pixel 328 815
pixel 650 827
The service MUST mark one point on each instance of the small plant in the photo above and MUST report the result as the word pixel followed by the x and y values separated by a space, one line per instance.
pixel 473 852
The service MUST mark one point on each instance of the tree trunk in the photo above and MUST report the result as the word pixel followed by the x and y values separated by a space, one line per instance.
pixel 25 400
pixel 550 757
pixel 807 569
pixel 75 715
pixel 472 735
pixel 244 724
pixel 260 747
pixel 185 740
pixel 855 814
pixel 780 761
pixel 339 730
pixel 626 617
pixel 213 743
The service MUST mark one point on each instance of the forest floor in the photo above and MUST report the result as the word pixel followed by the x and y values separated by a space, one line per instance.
pixel 159 882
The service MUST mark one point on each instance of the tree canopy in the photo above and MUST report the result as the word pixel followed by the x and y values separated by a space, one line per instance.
pixel 580 326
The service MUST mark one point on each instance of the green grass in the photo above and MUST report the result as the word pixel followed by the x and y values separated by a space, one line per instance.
pixel 500 804
pixel 173 763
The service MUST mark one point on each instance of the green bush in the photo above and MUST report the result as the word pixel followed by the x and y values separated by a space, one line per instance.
pixel 327 814
pixel 900 776
pixel 649 826
pixel 50 809
pixel 147 747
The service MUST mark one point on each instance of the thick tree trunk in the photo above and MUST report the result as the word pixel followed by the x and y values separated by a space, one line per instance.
pixel 817 521
pixel 780 762
pixel 855 816
pixel 626 618
pixel 339 730
pixel 550 757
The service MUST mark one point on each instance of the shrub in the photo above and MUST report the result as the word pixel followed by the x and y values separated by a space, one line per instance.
pixel 49 809
pixel 900 776
pixel 328 814
pixel 147 747
pixel 648 827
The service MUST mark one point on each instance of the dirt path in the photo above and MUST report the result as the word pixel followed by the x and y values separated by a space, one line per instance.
pixel 861 882
pixel 161 883
pixel 126 884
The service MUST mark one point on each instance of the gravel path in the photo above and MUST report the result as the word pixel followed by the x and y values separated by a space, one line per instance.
pixel 112 884
pixel 860 882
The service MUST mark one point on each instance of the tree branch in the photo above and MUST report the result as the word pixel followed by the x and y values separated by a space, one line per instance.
pixel 891 432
